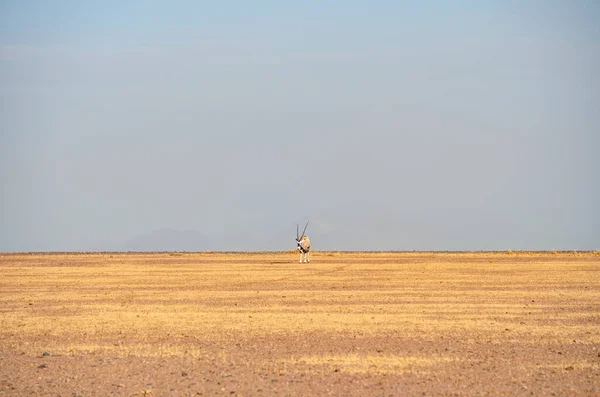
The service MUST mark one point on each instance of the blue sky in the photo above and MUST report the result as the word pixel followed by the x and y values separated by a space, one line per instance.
pixel 454 125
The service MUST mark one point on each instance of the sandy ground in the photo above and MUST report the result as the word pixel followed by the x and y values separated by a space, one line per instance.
pixel 261 324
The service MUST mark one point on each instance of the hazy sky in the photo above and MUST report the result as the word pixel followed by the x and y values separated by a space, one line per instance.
pixel 463 125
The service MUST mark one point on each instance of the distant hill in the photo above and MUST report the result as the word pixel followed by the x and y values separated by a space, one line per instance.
pixel 167 239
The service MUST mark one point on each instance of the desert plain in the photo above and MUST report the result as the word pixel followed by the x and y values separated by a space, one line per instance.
pixel 262 324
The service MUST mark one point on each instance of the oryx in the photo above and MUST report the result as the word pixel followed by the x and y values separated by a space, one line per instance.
pixel 303 244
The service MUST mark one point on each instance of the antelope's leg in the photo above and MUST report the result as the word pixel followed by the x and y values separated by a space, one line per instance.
pixel 308 257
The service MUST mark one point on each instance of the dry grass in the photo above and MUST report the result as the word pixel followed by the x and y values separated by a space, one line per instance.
pixel 153 305
pixel 62 295
pixel 367 363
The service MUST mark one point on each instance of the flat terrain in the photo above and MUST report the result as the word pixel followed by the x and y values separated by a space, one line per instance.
pixel 261 324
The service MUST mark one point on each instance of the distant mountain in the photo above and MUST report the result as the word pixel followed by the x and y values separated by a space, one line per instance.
pixel 167 239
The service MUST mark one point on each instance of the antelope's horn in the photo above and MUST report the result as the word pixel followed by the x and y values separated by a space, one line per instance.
pixel 304 229
pixel 297 231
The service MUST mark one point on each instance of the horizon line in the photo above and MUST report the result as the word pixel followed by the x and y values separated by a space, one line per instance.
pixel 508 251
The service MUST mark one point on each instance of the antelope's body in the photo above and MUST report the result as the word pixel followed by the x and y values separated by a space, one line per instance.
pixel 303 244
